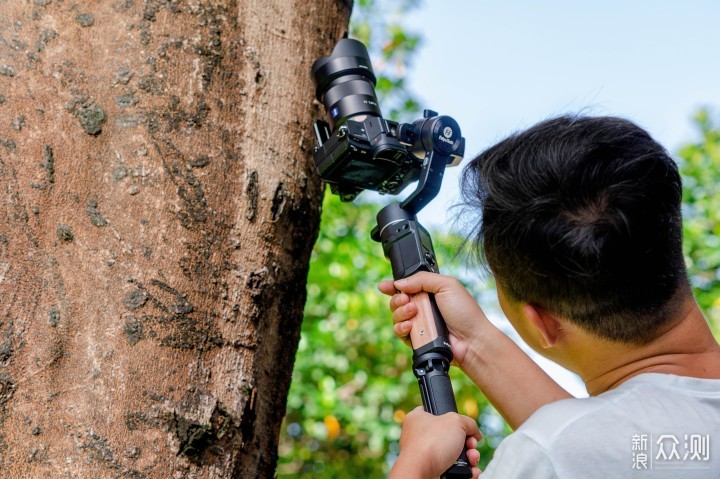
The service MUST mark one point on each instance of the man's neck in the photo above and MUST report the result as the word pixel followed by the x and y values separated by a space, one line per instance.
pixel 687 348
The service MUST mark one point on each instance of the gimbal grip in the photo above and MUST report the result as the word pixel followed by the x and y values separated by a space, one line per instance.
pixel 409 248
pixel 432 357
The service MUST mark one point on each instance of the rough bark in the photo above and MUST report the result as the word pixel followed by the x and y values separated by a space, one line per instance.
pixel 159 205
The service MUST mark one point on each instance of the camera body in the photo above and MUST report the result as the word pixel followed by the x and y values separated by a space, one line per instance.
pixel 364 154
pixel 359 149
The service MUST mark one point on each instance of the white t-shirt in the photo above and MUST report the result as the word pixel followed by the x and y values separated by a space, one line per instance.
pixel 652 426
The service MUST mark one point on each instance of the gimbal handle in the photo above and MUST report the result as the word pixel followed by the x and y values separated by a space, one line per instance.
pixel 409 248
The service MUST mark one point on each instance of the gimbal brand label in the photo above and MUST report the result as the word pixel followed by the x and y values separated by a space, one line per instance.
pixel 447 132
pixel 446 140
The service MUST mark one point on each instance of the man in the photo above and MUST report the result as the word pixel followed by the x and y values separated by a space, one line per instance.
pixel 580 225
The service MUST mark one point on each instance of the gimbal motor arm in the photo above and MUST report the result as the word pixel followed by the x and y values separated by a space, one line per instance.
pixel 437 139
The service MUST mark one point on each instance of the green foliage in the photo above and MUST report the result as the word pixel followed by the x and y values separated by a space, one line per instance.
pixel 379 24
pixel 352 381
pixel 700 168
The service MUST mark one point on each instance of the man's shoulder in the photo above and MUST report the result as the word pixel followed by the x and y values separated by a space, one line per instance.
pixel 594 437
pixel 645 401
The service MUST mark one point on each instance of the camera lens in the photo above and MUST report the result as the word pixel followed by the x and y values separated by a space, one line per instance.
pixel 345 82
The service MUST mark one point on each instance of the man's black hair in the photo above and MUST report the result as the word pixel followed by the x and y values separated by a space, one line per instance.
pixel 581 216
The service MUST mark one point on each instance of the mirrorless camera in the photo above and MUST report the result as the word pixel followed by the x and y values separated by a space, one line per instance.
pixel 360 150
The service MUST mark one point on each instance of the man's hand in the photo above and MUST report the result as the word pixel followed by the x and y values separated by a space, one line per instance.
pixel 429 444
pixel 511 381
pixel 461 312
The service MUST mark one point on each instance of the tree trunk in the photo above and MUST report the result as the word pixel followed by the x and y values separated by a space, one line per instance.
pixel 159 206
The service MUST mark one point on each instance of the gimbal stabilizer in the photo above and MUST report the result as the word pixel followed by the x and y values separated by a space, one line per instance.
pixel 365 151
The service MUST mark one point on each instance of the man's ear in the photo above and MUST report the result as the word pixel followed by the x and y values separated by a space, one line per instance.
pixel 547 325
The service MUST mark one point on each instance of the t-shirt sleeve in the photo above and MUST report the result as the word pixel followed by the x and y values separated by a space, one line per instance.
pixel 519 457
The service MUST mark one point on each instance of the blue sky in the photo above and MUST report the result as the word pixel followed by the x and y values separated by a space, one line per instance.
pixel 499 66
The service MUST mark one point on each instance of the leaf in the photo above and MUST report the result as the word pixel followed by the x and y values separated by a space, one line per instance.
pixel 700 168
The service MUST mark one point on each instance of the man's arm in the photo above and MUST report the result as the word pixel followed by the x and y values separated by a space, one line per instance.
pixel 511 381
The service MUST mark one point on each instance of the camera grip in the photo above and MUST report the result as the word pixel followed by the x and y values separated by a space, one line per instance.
pixel 431 363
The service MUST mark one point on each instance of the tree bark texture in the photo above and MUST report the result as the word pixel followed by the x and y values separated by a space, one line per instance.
pixel 159 206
